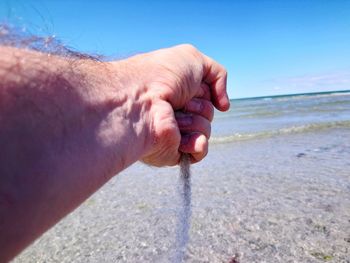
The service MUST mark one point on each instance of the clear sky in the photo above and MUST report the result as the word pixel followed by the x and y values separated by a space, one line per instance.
pixel 268 47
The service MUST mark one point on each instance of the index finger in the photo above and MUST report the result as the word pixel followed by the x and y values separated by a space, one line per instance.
pixel 215 76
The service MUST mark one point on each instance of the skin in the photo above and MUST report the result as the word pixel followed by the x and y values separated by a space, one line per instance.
pixel 69 125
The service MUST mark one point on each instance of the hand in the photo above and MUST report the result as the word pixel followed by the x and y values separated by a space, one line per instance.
pixel 180 85
pixel 67 126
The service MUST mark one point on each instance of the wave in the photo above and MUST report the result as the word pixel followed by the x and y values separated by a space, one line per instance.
pixel 296 95
pixel 283 131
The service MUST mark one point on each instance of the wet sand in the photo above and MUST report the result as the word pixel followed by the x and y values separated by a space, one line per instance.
pixel 280 199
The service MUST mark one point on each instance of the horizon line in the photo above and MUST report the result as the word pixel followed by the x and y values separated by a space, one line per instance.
pixel 292 94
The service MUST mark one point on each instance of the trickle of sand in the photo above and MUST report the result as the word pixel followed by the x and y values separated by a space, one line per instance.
pixel 184 213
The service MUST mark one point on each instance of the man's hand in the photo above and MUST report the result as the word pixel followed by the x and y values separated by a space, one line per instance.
pixel 67 125
pixel 179 85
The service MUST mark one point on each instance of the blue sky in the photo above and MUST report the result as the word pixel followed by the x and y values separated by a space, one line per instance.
pixel 268 47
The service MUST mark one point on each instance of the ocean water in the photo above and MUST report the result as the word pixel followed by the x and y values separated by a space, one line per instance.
pixel 275 187
pixel 273 116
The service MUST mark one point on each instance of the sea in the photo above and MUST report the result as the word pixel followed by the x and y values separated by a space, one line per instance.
pixel 263 117
pixel 274 187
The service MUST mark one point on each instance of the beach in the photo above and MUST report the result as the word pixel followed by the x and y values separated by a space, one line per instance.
pixel 275 187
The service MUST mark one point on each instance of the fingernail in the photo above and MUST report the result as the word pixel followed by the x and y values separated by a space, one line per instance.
pixel 194 105
pixel 185 139
pixel 184 121
pixel 200 142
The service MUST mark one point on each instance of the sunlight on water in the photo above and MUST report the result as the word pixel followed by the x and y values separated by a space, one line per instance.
pixel 294 113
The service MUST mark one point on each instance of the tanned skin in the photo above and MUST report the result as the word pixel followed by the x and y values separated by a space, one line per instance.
pixel 68 125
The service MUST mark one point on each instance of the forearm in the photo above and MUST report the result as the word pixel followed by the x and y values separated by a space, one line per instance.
pixel 66 127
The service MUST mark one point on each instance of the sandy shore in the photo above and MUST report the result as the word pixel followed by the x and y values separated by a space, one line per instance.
pixel 283 199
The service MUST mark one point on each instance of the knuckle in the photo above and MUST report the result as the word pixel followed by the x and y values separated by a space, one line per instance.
pixel 224 70
pixel 190 48
pixel 207 110
pixel 204 126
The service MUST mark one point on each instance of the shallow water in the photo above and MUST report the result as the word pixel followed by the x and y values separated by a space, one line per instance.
pixel 272 116
pixel 277 198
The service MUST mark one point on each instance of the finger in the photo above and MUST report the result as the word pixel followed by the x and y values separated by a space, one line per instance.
pixel 216 77
pixel 196 144
pixel 204 92
pixel 200 107
pixel 189 123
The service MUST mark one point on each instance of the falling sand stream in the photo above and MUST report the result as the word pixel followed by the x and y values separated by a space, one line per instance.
pixel 184 213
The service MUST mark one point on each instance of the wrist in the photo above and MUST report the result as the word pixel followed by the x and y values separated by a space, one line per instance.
pixel 128 126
